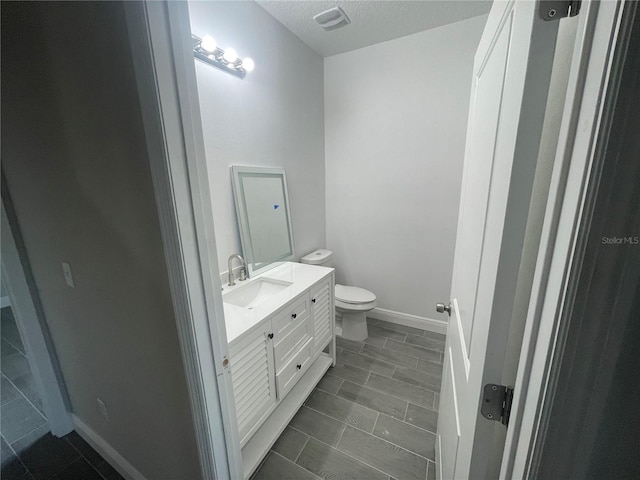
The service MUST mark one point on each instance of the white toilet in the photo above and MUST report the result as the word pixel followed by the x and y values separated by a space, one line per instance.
pixel 352 303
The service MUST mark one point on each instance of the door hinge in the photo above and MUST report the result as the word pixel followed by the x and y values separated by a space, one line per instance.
pixel 496 402
pixel 553 10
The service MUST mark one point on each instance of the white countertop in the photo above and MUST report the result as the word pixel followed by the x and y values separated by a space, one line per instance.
pixel 239 320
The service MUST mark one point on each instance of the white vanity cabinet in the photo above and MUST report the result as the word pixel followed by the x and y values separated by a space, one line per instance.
pixel 276 354
pixel 253 379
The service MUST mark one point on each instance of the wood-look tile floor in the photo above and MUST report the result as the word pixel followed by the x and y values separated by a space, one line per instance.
pixel 373 416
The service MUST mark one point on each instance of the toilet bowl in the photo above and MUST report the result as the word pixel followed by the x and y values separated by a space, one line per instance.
pixel 352 303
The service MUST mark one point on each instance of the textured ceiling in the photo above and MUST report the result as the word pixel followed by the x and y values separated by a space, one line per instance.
pixel 371 21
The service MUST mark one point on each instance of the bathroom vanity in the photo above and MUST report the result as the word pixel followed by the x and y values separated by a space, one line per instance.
pixel 278 324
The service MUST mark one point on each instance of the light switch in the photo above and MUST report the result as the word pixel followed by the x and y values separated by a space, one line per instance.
pixel 66 269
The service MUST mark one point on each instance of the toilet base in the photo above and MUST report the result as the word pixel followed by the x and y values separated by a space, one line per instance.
pixel 354 326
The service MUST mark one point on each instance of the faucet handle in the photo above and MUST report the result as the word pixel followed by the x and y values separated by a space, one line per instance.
pixel 243 274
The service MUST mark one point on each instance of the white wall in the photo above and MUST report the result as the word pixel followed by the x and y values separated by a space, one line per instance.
pixel 395 124
pixel 77 169
pixel 273 117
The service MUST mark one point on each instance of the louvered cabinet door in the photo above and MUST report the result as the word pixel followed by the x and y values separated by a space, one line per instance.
pixel 322 311
pixel 253 376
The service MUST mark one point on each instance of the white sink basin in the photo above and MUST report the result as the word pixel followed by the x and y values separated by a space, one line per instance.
pixel 255 292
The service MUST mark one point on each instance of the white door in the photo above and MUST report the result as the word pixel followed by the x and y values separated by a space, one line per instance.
pixel 511 76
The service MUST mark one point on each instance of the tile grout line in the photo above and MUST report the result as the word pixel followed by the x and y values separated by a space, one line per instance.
pixel 344 429
pixel 347 454
pixel 26 398
pixel 418 347
pixel 390 326
pixel 375 424
pixel 334 418
pixel 361 430
pixel 300 452
pixel 271 452
pixel 342 380
pixel 435 350
pixel 369 357
pixel 377 411
pixel 416 426
pixel 379 438
pixel 15 454
pixel 346 399
pixel 383 361
pixel 413 357
pixel 368 377
pixel 342 451
pixel 404 400
pixel 16 348
pixel 85 458
pixel 25 435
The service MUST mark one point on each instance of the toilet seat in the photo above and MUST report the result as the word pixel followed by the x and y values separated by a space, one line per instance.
pixel 353 295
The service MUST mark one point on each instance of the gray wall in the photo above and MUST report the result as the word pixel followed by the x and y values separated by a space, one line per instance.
pixel 273 117
pixel 74 156
pixel 395 123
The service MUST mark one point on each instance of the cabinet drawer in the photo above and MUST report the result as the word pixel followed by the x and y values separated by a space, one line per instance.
pixel 293 371
pixel 290 345
pixel 289 318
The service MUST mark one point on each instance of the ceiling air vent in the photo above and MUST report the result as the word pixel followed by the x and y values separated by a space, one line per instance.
pixel 332 19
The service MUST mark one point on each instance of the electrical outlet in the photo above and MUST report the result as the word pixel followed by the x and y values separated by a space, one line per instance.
pixel 66 269
pixel 103 409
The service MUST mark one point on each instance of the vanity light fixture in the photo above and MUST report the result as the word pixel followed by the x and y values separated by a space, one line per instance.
pixel 207 50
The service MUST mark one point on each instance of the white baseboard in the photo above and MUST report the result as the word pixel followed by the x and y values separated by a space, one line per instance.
pixel 5 302
pixel 107 452
pixel 408 320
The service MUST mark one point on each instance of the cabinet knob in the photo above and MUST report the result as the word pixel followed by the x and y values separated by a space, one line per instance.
pixel 294 315
pixel 270 335
pixel 313 300
pixel 299 366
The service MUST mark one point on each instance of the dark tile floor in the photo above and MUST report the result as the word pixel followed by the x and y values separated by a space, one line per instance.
pixel 373 416
pixel 29 451
pixel 41 456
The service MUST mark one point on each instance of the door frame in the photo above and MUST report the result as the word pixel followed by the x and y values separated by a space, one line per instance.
pixel 585 121
pixel 160 41
pixel 31 322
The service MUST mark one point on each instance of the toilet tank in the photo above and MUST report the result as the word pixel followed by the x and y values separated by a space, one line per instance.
pixel 319 257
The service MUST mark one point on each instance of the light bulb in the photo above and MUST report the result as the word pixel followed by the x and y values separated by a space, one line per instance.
pixel 248 64
pixel 230 55
pixel 208 43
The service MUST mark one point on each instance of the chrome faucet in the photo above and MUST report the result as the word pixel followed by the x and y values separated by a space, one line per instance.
pixel 243 270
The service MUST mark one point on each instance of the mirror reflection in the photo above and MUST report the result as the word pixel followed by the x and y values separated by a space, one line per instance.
pixel 264 220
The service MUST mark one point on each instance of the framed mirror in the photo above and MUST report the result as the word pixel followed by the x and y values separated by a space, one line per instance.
pixel 264 220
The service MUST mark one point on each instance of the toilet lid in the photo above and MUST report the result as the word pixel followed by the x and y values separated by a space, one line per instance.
pixel 353 295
